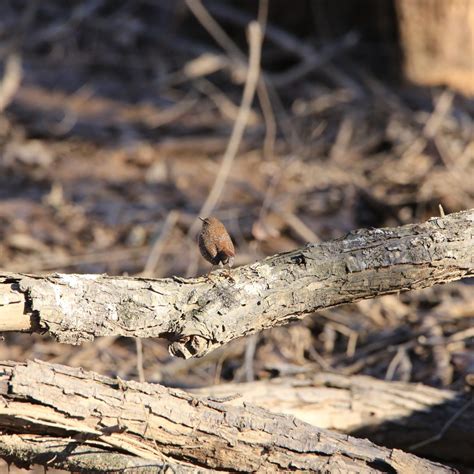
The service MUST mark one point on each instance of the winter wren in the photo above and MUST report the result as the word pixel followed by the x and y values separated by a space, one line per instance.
pixel 215 243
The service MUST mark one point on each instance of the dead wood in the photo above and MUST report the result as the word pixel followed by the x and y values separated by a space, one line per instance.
pixel 199 314
pixel 25 450
pixel 121 421
pixel 394 414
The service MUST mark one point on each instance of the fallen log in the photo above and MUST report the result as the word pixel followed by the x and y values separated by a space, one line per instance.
pixel 51 413
pixel 430 422
pixel 198 315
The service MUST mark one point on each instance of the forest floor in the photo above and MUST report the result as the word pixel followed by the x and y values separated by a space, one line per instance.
pixel 115 136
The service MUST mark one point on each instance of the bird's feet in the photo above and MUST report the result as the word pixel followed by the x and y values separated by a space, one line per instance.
pixel 209 279
pixel 226 274
pixel 223 273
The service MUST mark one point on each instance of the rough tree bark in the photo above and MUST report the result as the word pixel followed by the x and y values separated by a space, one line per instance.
pixel 69 418
pixel 198 315
pixel 393 414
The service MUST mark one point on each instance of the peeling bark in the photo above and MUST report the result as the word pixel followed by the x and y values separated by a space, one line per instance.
pixel 125 422
pixel 198 315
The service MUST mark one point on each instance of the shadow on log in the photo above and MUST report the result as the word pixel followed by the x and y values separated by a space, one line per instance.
pixel 430 422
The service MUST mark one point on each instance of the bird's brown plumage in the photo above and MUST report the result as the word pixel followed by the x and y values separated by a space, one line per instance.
pixel 215 243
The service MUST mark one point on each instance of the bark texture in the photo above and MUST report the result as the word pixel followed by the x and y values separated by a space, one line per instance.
pixel 53 413
pixel 198 315
pixel 394 414
pixel 25 450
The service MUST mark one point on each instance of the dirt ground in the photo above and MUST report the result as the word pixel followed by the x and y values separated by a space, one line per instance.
pixel 114 137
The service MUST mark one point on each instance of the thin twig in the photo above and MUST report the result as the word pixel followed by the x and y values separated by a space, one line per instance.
pixel 139 347
pixel 303 50
pixel 250 348
pixel 263 94
pixel 443 430
pixel 159 244
pixel 236 55
pixel 398 359
pixel 434 122
pixel 255 40
pixel 219 35
pixel 13 72
pixel 11 80
pixel 298 226
pixel 269 118
pixel 284 79
pixel 226 107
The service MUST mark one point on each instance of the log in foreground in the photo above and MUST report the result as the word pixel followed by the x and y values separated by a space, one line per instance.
pixel 434 423
pixel 69 418
pixel 198 315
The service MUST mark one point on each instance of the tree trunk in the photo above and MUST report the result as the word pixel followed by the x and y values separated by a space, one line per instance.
pixel 438 42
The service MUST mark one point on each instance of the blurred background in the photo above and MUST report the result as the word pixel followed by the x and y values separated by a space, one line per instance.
pixel 115 116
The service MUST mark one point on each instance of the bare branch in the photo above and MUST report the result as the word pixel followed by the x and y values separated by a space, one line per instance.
pixel 198 315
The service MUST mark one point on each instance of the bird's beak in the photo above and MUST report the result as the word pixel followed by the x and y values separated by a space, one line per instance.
pixel 202 219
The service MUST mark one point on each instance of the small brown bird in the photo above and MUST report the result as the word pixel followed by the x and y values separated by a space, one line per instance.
pixel 215 243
